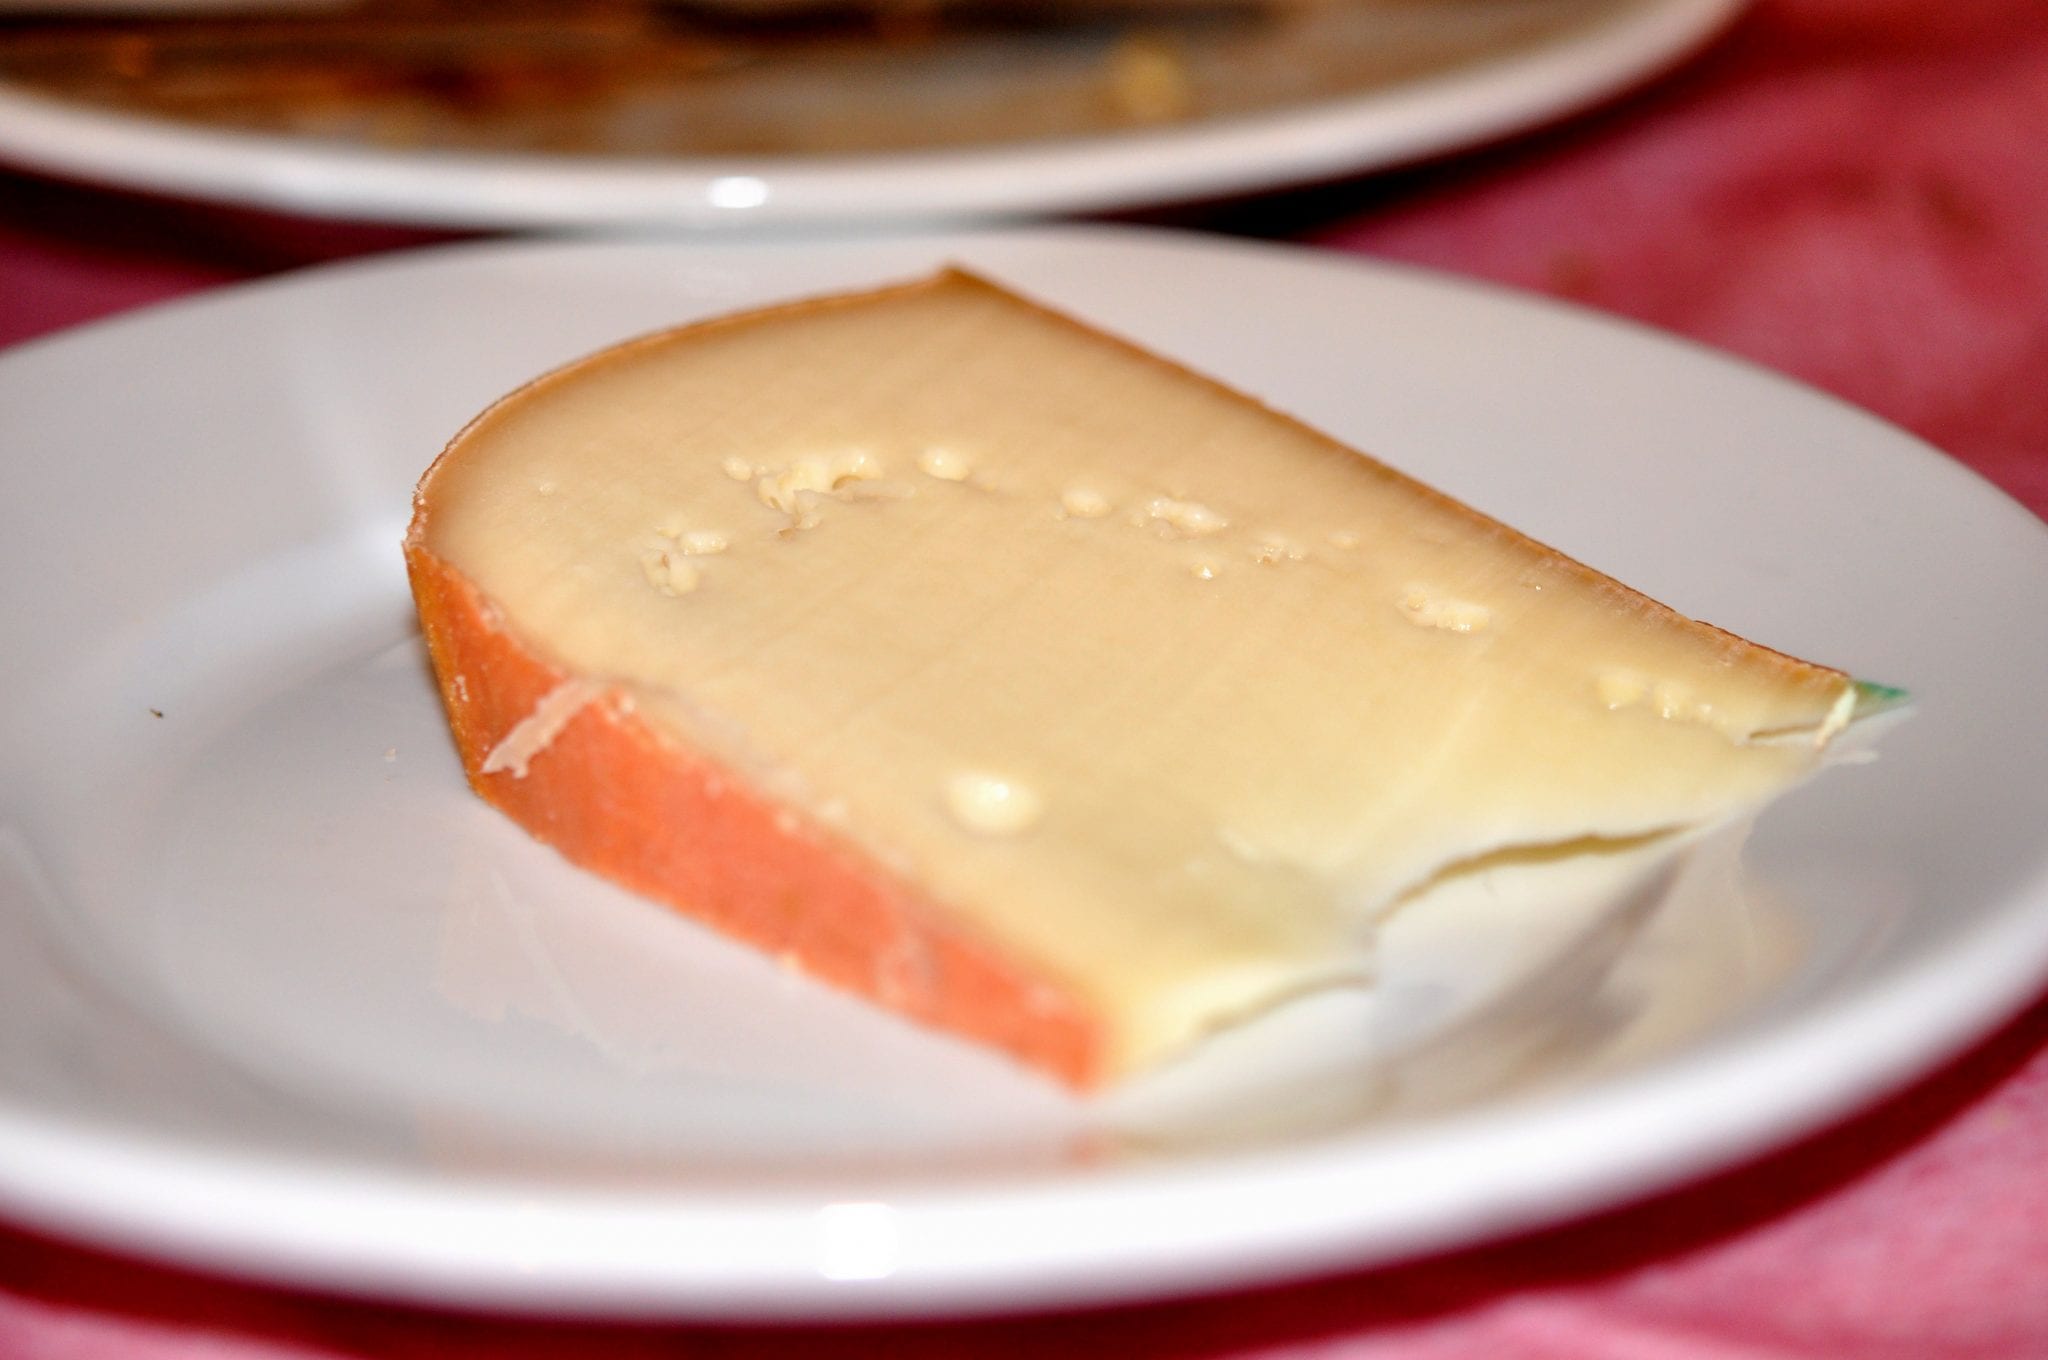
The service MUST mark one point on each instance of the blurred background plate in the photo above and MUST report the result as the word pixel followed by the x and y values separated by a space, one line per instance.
pixel 748 113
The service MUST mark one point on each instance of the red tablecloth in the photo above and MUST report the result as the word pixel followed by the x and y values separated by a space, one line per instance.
pixel 1852 191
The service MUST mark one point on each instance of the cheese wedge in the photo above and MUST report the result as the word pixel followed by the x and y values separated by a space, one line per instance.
pixel 1030 685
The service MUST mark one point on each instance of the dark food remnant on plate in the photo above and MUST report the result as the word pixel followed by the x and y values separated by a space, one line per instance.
pixel 759 77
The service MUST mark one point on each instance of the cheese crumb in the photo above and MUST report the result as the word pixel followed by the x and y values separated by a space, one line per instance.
pixel 669 571
pixel 1669 700
pixel 817 474
pixel 990 804
pixel 1191 518
pixel 696 542
pixel 1084 502
pixel 703 542
pixel 1675 701
pixel 948 465
pixel 1276 548
pixel 1452 616
pixel 1619 689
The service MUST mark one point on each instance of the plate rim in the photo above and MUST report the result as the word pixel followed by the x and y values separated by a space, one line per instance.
pixel 1971 986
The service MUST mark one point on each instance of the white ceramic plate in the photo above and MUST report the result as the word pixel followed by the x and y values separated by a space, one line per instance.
pixel 1432 97
pixel 278 996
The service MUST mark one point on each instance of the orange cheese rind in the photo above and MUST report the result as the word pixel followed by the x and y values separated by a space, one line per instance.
pixel 623 801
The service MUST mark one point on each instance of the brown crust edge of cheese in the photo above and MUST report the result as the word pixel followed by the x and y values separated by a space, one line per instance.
pixel 1789 669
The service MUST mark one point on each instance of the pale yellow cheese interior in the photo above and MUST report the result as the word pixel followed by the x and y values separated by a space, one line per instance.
pixel 1159 689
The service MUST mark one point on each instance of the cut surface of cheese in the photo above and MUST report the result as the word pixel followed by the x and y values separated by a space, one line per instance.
pixel 1034 686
